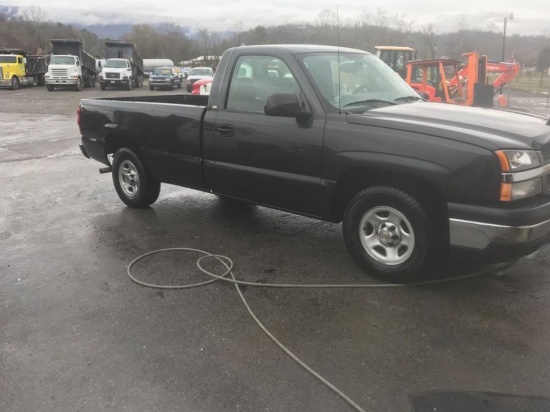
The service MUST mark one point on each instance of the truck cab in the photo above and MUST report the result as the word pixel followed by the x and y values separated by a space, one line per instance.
pixel 117 73
pixel 19 69
pixel 12 67
pixel 64 71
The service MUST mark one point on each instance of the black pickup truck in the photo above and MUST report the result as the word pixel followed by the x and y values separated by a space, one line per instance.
pixel 334 134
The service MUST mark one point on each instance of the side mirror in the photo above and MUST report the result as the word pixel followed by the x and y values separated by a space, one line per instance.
pixel 285 105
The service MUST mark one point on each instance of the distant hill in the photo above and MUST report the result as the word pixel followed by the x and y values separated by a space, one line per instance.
pixel 10 11
pixel 104 31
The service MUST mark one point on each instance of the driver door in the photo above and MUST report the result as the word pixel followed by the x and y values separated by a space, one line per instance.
pixel 274 161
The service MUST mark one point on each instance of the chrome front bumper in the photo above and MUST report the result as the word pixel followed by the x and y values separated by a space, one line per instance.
pixel 479 235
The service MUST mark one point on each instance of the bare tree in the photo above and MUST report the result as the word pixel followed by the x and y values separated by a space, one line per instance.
pixel 430 38
pixel 34 14
pixel 35 17
pixel 327 17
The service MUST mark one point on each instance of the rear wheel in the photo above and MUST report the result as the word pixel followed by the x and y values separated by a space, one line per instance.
pixel 134 185
pixel 390 235
pixel 14 83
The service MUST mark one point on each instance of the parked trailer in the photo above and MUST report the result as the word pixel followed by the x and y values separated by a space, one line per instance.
pixel 124 66
pixel 17 68
pixel 70 65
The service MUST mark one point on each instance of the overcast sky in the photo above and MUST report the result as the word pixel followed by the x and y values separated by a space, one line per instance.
pixel 530 16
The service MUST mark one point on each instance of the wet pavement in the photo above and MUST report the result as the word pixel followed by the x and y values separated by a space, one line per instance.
pixel 77 335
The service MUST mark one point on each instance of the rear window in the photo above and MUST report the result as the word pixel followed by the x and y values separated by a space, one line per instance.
pixel 201 72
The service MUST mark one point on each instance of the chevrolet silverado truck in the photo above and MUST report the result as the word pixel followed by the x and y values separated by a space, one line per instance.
pixel 332 133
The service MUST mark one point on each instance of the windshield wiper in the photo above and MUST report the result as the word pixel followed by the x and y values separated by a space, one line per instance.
pixel 408 98
pixel 366 101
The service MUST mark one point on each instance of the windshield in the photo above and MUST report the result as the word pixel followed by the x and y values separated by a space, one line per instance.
pixel 363 78
pixel 116 64
pixel 200 72
pixel 164 72
pixel 8 59
pixel 62 60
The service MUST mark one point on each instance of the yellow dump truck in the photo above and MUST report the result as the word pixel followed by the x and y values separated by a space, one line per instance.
pixel 17 68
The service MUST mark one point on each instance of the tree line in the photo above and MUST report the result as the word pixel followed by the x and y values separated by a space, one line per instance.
pixel 31 30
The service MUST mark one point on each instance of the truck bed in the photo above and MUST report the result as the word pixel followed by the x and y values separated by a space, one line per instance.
pixel 167 135
pixel 187 99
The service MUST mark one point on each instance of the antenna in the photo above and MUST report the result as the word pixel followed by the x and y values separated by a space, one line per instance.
pixel 338 51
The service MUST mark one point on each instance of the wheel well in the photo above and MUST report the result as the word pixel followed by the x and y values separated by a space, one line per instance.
pixel 115 142
pixel 353 181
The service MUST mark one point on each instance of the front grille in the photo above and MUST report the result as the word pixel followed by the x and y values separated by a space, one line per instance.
pixel 193 80
pixel 59 72
pixel 112 75
pixel 546 152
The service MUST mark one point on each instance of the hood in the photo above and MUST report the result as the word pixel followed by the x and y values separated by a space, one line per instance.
pixel 115 69
pixel 489 128
pixel 60 66
pixel 197 76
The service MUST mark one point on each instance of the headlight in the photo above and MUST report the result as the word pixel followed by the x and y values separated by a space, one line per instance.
pixel 517 160
pixel 75 75
pixel 520 190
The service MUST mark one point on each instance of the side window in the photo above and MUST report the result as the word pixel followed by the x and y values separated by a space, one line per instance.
pixel 20 60
pixel 254 78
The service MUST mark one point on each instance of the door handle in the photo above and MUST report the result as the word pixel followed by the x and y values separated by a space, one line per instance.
pixel 225 130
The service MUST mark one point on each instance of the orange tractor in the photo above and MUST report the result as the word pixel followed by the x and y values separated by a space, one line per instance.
pixel 474 84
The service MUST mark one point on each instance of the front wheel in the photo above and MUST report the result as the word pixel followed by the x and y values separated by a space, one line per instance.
pixel 390 235
pixel 129 85
pixel 79 85
pixel 133 184
pixel 50 88
pixel 102 86
pixel 14 83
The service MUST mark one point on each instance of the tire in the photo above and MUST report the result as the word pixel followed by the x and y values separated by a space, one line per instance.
pixel 390 235
pixel 189 88
pixel 41 80
pixel 15 83
pixel 133 184
pixel 140 81
pixel 50 88
pixel 151 88
pixel 92 81
pixel 179 84
pixel 129 84
pixel 102 86
pixel 79 85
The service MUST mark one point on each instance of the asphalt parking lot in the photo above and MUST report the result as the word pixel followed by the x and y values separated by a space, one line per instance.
pixel 77 335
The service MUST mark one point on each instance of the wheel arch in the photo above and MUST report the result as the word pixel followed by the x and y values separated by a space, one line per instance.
pixel 428 191
pixel 116 141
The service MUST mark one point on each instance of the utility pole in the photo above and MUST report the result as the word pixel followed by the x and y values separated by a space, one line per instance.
pixel 511 16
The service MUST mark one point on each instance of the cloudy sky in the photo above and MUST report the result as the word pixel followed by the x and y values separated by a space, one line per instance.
pixel 530 16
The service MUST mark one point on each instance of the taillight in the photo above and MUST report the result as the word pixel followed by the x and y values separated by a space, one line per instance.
pixel 78 110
